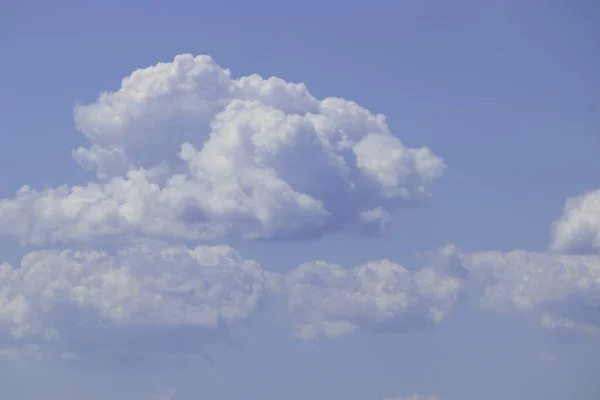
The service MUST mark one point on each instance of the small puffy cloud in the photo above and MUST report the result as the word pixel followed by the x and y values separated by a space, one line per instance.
pixel 326 300
pixel 578 229
pixel 548 357
pixel 141 300
pixel 184 150
pixel 164 393
pixel 561 291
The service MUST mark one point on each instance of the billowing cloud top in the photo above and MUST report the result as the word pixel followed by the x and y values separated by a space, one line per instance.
pixel 578 229
pixel 185 150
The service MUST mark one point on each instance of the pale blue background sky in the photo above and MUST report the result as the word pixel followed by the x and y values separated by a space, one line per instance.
pixel 508 93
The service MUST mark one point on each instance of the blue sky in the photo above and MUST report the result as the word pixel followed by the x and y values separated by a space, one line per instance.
pixel 505 93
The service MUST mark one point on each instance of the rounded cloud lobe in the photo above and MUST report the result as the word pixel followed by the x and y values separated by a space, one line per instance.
pixel 326 300
pixel 578 229
pixel 184 150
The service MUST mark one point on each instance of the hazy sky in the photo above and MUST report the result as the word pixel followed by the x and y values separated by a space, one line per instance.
pixel 299 200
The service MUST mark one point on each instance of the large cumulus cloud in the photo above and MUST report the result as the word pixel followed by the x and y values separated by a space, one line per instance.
pixel 183 149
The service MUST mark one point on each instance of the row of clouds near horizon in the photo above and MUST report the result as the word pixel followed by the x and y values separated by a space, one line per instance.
pixel 185 153
pixel 166 393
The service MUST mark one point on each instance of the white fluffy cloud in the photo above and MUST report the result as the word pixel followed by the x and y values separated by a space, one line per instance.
pixel 578 229
pixel 561 291
pixel 153 300
pixel 183 149
pixel 561 288
pixel 186 152
pixel 150 298
pixel 327 300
